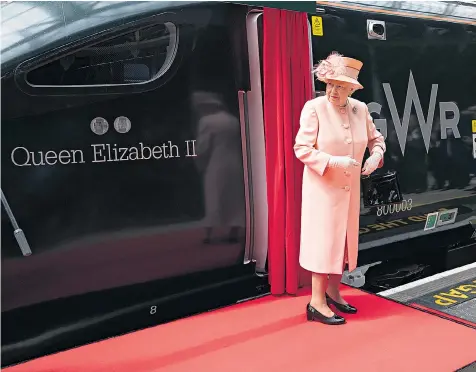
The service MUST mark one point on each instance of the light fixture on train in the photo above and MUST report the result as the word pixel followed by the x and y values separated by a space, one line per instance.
pixel 376 30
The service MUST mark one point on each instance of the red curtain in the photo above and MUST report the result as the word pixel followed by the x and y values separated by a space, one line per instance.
pixel 287 86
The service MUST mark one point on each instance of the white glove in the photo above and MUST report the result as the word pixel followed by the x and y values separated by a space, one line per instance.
pixel 342 162
pixel 371 163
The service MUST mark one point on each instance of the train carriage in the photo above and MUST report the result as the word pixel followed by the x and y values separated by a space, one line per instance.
pixel 133 164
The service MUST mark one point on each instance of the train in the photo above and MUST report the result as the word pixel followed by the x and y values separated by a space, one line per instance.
pixel 133 166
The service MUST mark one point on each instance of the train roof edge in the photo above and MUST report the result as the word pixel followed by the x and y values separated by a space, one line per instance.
pixel 61 22
pixel 447 11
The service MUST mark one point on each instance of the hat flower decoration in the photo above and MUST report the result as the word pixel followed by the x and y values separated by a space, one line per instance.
pixel 336 67
pixel 331 67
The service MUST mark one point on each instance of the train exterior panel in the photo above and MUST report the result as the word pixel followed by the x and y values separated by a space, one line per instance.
pixel 419 87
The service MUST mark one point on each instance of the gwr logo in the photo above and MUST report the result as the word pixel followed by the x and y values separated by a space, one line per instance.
pixel 426 125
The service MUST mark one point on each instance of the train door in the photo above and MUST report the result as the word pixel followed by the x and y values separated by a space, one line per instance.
pixel 256 141
pixel 124 163
pixel 255 100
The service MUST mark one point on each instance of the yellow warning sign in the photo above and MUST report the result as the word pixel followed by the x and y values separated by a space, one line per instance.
pixel 473 122
pixel 317 29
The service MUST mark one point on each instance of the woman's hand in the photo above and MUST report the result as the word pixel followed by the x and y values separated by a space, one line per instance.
pixel 343 162
pixel 371 164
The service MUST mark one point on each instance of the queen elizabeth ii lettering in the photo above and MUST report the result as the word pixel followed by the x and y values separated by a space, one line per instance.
pixel 111 152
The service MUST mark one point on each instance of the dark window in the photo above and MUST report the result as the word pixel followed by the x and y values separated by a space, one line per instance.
pixel 137 57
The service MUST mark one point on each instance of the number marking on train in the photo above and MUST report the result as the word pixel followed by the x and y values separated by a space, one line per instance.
pixel 405 205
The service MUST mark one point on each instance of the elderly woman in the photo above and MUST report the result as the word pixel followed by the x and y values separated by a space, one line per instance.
pixel 334 133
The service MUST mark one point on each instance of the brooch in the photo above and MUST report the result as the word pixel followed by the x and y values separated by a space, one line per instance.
pixel 354 109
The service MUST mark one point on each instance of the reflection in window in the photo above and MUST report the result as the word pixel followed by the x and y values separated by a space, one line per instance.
pixel 17 22
pixel 136 57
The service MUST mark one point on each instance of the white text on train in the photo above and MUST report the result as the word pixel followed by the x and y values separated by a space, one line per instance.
pixel 107 152
pixel 426 125
pixel 101 153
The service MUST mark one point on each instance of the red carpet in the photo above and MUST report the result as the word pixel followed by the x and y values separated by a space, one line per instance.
pixel 271 334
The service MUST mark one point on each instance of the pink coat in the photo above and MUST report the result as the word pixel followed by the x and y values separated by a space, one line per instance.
pixel 331 197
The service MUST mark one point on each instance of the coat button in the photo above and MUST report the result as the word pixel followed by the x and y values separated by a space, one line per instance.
pixel 348 140
pixel 347 173
pixel 347 188
pixel 346 126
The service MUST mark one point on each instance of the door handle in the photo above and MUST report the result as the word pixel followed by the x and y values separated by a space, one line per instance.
pixel 19 234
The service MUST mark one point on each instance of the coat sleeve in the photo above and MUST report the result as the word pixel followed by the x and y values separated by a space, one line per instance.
pixel 305 146
pixel 376 142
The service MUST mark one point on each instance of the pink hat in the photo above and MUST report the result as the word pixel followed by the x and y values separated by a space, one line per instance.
pixel 339 68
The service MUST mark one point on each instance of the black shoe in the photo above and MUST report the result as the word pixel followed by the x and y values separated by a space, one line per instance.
pixel 349 309
pixel 315 316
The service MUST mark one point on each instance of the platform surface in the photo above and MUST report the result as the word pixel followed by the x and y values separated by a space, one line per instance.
pixel 272 334
pixel 452 293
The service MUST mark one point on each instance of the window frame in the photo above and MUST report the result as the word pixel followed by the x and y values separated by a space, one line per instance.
pixel 94 38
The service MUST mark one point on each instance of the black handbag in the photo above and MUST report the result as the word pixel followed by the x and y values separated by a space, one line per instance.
pixel 381 189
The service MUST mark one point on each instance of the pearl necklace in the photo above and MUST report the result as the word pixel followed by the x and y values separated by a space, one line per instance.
pixel 343 109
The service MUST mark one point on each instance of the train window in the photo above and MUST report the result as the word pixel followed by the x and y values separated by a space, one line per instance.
pixel 137 57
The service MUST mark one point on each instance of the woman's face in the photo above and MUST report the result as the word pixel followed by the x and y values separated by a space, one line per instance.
pixel 337 93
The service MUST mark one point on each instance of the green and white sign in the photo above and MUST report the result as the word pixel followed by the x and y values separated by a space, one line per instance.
pixel 442 218
pixel 447 217
pixel 431 221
